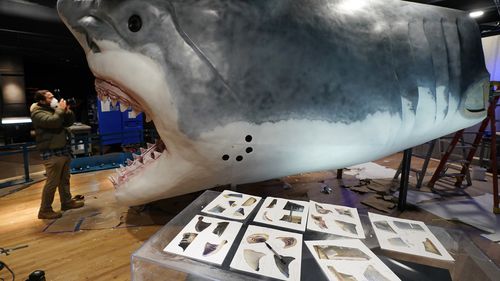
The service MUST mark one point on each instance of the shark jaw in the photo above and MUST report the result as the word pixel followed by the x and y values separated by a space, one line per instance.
pixel 106 91
pixel 137 82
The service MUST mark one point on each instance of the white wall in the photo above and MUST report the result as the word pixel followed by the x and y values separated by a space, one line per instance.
pixel 491 49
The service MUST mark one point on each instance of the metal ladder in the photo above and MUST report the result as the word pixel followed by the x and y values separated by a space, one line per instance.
pixel 465 163
pixel 442 171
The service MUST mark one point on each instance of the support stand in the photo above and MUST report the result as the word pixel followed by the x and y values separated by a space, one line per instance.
pixel 405 174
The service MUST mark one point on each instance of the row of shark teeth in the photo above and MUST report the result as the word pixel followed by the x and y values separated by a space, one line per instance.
pixel 148 156
pixel 109 92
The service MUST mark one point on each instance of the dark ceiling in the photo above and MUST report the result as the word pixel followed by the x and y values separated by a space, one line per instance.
pixel 33 30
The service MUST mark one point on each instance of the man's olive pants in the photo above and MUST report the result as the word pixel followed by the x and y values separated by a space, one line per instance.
pixel 57 169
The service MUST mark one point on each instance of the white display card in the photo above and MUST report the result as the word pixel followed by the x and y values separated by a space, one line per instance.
pixel 335 219
pixel 233 205
pixel 349 259
pixel 269 252
pixel 407 236
pixel 284 213
pixel 205 239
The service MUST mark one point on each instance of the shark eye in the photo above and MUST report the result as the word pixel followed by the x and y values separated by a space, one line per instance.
pixel 134 23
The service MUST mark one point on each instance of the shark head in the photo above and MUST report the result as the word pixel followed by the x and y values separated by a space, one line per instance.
pixel 243 91
pixel 120 40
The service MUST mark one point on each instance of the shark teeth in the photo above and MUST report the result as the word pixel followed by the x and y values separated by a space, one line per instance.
pixel 146 157
pixel 107 91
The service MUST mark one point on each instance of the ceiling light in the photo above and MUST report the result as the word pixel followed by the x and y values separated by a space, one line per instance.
pixel 476 14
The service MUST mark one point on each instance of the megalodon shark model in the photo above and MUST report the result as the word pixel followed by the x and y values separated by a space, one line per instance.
pixel 244 91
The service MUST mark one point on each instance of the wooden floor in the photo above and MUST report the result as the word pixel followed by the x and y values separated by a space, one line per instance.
pixel 83 255
pixel 105 254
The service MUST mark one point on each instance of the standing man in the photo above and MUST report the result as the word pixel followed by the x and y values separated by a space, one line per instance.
pixel 51 119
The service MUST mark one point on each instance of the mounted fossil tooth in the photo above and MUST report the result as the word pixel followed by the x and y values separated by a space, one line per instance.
pixel 201 225
pixel 249 202
pixel 371 273
pixel 322 210
pixel 332 252
pixel 257 238
pixel 344 212
pixel 282 264
pixel 186 240
pixel 408 226
pixel 289 241
pixel 347 226
pixel 266 217
pixel 211 249
pixel 318 220
pixel 290 206
pixel 236 195
pixel 221 227
pixel 272 204
pixel 292 219
pixel 217 209
pixel 231 203
pixel 343 276
pixel 239 213
pixel 384 225
pixel 430 247
pixel 252 258
pixel 397 241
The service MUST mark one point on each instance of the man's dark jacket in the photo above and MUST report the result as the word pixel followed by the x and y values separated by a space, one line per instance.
pixel 51 126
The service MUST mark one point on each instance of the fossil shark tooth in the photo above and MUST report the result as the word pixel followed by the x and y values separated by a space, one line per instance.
pixel 322 210
pixel 430 247
pixel 347 226
pixel 211 249
pixel 282 264
pixel 266 217
pixel 239 213
pixel 235 195
pixel 290 206
pixel 343 276
pixel 344 212
pixel 249 202
pixel 289 241
pixel 318 220
pixel 257 238
pixel 231 203
pixel 186 240
pixel 371 273
pixel 408 226
pixel 397 241
pixel 252 258
pixel 292 219
pixel 272 204
pixel 221 227
pixel 384 225
pixel 217 209
pixel 201 225
pixel 332 252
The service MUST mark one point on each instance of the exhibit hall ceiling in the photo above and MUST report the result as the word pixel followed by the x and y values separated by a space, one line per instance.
pixel 32 28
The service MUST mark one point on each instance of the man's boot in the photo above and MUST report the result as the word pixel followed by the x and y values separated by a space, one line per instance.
pixel 72 204
pixel 49 215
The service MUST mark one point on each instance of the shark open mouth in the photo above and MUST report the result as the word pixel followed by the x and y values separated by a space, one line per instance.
pixel 107 91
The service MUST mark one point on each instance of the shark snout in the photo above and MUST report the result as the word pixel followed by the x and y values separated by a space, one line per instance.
pixel 81 18
pixel 72 10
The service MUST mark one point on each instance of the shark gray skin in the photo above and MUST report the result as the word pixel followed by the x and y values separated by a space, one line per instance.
pixel 244 91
